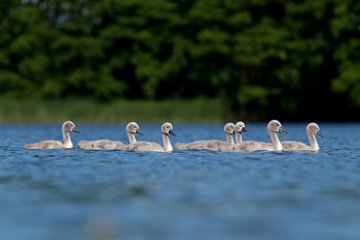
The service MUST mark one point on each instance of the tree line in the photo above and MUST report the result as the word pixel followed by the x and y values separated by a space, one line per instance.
pixel 288 59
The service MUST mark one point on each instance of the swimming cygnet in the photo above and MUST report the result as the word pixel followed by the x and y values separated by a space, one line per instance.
pixel 273 128
pixel 67 127
pixel 166 129
pixel 105 144
pixel 311 130
pixel 213 145
pixel 239 129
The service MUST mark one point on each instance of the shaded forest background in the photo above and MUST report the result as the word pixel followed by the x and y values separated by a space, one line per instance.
pixel 288 59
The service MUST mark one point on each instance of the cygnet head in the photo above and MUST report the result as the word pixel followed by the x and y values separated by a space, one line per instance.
pixel 167 129
pixel 69 126
pixel 229 128
pixel 275 126
pixel 313 128
pixel 133 127
pixel 240 127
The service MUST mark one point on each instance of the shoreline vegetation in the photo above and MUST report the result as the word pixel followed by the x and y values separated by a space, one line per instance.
pixel 290 60
pixel 119 111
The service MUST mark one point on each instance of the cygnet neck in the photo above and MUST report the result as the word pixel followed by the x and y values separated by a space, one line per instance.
pixel 275 140
pixel 312 140
pixel 238 137
pixel 67 141
pixel 229 138
pixel 131 137
pixel 166 142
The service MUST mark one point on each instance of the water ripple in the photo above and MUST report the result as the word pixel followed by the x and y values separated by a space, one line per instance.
pixel 194 194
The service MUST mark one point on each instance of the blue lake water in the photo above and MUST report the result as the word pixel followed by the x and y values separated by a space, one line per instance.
pixel 84 194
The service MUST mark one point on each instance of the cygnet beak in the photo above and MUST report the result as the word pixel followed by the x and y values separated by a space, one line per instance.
pixel 139 132
pixel 282 130
pixel 319 133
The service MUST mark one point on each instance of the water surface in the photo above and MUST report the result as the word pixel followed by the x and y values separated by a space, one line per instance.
pixel 84 194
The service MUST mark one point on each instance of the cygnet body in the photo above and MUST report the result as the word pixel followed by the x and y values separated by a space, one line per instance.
pixel 67 127
pixel 213 145
pixel 166 129
pixel 105 144
pixel 311 130
pixel 273 128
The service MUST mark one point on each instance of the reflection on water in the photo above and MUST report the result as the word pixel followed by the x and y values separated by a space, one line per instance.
pixel 83 194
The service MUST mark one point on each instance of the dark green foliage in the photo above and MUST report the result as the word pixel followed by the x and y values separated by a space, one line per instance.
pixel 345 27
pixel 291 60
